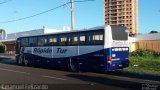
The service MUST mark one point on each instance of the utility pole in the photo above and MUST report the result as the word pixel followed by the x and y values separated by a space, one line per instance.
pixel 72 15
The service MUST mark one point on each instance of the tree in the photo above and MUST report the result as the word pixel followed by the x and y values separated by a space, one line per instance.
pixel 153 32
pixel 1 30
pixel 2 48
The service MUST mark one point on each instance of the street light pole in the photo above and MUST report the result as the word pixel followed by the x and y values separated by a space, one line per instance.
pixel 15 15
pixel 72 15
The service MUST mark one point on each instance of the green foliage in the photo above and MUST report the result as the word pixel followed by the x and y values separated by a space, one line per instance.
pixel 153 32
pixel 145 53
pixel 1 30
pixel 144 61
pixel 2 48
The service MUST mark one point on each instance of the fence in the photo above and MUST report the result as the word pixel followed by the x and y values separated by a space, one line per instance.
pixel 148 44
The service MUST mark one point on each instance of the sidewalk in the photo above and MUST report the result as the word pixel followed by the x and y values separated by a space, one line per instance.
pixel 7 57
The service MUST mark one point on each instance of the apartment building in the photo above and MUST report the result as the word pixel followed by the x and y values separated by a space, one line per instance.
pixel 122 12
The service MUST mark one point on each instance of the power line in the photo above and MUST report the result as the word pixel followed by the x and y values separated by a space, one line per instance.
pixel 84 0
pixel 5 1
pixel 43 12
pixel 36 14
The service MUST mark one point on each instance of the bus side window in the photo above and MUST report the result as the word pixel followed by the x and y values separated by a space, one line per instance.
pixel 63 40
pixel 74 39
pixel 42 40
pixel 52 40
pixel 89 38
pixel 82 38
pixel 98 38
pixel 24 42
pixel 32 41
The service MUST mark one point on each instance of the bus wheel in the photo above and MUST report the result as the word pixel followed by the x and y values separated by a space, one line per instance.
pixel 25 61
pixel 73 65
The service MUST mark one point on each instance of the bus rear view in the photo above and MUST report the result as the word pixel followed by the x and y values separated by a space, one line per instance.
pixel 116 47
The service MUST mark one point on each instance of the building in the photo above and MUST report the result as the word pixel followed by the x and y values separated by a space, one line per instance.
pixel 122 12
pixel 10 39
pixel 132 44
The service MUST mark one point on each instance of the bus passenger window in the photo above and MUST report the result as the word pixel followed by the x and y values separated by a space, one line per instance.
pixel 74 40
pixel 42 41
pixel 82 40
pixel 52 40
pixel 33 41
pixel 24 42
pixel 63 40
pixel 98 39
pixel 89 38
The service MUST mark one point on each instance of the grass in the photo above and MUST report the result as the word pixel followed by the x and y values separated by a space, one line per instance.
pixel 144 64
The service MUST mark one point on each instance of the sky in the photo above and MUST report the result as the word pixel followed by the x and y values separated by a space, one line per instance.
pixel 87 14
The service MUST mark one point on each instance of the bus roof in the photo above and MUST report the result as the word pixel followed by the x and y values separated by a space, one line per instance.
pixel 86 29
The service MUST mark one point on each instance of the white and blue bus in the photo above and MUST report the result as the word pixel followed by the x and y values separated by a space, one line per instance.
pixel 102 48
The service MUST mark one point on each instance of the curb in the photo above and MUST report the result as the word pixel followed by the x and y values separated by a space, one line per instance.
pixel 7 57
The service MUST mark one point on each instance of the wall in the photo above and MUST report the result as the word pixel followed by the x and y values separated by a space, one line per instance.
pixel 149 44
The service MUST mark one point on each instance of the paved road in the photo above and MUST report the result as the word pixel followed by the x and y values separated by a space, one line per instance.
pixel 12 74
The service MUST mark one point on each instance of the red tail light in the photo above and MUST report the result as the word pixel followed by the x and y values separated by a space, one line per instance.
pixel 109 58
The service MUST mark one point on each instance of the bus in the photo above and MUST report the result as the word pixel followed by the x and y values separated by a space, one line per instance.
pixel 103 48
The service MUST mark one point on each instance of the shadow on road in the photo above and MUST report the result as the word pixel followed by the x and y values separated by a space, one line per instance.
pixel 108 81
pixel 8 61
pixel 102 80
pixel 133 75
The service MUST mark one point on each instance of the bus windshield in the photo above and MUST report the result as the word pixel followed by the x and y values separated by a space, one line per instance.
pixel 119 33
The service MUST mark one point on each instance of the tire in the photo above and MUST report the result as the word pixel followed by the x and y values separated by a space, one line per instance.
pixel 73 65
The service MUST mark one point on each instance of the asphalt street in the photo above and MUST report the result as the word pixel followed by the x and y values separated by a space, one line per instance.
pixel 55 79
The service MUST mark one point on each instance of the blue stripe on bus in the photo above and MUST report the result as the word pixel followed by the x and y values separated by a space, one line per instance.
pixel 87 62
